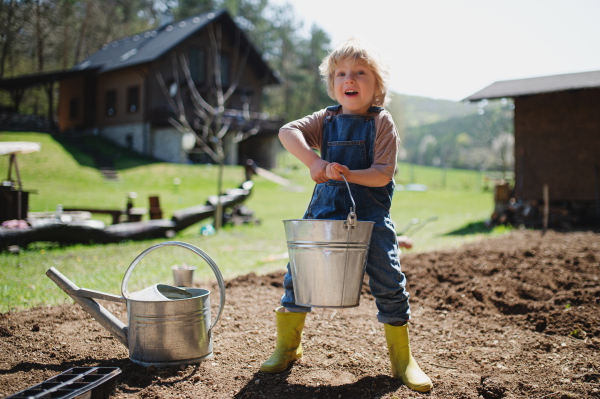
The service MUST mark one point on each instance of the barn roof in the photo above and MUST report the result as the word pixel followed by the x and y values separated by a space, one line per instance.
pixel 544 84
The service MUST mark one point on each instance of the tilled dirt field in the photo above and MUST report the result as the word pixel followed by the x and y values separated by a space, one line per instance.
pixel 515 317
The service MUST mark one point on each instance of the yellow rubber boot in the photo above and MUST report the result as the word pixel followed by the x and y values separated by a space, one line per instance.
pixel 404 366
pixel 289 335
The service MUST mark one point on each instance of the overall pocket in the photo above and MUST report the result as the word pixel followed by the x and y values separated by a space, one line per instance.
pixel 379 196
pixel 352 154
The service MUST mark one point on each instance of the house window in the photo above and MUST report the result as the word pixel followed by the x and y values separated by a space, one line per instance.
pixel 197 59
pixel 133 99
pixel 225 69
pixel 111 102
pixel 74 108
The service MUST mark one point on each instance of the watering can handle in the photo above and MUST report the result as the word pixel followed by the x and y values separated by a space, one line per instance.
pixel 194 249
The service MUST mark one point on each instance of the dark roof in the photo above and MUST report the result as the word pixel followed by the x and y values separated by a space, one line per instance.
pixel 544 84
pixel 150 45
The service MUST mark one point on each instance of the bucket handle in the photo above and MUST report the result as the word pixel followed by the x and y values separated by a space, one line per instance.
pixel 194 249
pixel 351 220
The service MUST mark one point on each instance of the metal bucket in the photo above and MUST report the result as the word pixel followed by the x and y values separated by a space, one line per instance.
pixel 183 276
pixel 174 331
pixel 328 259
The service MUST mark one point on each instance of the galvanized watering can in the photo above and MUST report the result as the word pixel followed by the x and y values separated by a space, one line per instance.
pixel 167 325
pixel 328 259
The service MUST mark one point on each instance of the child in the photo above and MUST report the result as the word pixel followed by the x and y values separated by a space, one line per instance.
pixel 358 139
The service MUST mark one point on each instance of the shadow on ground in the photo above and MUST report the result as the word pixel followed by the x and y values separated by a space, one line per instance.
pixel 471 228
pixel 97 152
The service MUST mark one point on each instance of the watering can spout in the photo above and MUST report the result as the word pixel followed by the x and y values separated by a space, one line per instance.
pixel 106 319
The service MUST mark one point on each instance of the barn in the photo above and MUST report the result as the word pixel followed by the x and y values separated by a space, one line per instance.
pixel 557 145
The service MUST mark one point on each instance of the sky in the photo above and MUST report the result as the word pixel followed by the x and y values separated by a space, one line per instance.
pixel 450 49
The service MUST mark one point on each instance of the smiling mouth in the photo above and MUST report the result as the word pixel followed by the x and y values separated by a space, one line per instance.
pixel 351 93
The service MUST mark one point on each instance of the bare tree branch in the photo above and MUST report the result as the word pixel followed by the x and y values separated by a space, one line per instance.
pixel 180 106
pixel 196 97
pixel 240 68
pixel 216 47
pixel 177 125
pixel 212 124
pixel 223 131
pixel 163 87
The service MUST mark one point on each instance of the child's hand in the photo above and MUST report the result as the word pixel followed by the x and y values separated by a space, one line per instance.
pixel 405 242
pixel 317 171
pixel 334 169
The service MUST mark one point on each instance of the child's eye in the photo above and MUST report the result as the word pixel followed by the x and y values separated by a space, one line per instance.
pixel 360 72
pixel 341 74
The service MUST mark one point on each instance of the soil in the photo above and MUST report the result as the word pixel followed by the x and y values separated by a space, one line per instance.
pixel 514 317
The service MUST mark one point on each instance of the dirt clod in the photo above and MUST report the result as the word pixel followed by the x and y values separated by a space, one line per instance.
pixel 5 332
pixel 490 388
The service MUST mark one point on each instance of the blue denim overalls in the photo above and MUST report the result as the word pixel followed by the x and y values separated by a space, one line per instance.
pixel 350 140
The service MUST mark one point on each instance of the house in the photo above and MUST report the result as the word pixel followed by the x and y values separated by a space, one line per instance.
pixel 115 92
pixel 557 140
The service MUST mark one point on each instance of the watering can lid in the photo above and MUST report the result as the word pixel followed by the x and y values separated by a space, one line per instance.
pixel 160 292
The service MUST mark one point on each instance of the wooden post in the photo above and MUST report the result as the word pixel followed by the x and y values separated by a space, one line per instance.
pixel 546 207
pixel 597 188
pixel 50 94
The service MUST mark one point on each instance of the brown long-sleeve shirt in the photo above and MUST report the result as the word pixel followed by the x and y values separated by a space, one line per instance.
pixel 387 140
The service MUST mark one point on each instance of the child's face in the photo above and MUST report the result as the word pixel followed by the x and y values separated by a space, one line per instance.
pixel 354 86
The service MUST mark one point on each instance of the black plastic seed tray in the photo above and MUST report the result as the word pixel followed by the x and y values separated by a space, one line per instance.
pixel 75 383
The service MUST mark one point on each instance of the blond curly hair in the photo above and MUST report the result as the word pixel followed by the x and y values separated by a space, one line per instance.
pixel 357 49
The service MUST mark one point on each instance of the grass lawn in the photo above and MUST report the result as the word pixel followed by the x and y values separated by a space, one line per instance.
pixel 62 175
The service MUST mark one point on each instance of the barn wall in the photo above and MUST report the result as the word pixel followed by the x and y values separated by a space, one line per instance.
pixel 557 141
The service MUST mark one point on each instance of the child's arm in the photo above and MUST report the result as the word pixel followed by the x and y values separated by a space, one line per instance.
pixel 294 142
pixel 365 177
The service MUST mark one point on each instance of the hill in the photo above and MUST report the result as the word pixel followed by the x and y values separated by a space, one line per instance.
pixel 417 111
pixel 454 134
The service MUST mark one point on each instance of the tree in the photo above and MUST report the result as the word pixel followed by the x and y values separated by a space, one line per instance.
pixel 12 21
pixel 214 123
pixel 188 8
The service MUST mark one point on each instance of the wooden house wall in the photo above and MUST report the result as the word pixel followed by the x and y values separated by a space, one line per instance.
pixel 83 90
pixel 120 81
pixel 557 141
pixel 71 89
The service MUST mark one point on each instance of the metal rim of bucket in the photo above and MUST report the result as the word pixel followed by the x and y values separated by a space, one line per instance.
pixel 194 249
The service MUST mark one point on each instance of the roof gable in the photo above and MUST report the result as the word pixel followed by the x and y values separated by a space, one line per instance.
pixel 544 84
